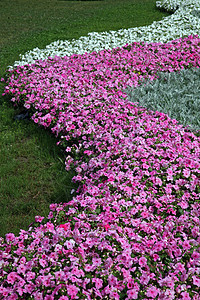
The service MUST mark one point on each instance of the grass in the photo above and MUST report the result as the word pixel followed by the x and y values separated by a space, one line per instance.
pixel 32 173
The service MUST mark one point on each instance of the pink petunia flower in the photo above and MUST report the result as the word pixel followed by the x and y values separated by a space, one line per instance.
pixel 65 226
pixel 132 294
pixel 196 281
pixel 72 291
pixel 12 277
pixel 152 292
pixel 185 296
pixel 142 261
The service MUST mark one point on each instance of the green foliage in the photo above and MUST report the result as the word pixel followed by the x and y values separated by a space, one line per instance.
pixel 176 94
pixel 196 13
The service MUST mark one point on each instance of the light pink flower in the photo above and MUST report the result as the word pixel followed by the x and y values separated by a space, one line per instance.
pixel 98 283
pixel 185 296
pixel 142 261
pixel 132 294
pixel 12 277
pixel 186 173
pixel 196 281
pixel 72 291
pixel 152 292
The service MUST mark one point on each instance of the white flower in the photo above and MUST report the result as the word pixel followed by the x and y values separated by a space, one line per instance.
pixel 69 244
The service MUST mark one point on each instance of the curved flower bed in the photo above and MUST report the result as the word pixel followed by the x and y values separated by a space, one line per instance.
pixel 133 229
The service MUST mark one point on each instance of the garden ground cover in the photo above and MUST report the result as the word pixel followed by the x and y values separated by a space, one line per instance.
pixel 32 166
pixel 132 229
pixel 171 94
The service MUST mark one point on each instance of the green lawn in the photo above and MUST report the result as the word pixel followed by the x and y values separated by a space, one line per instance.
pixel 32 173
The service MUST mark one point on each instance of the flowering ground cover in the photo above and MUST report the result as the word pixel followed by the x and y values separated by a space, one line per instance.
pixel 24 145
pixel 132 229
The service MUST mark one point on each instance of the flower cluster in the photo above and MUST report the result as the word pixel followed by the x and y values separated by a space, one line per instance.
pixel 172 5
pixel 133 229
pixel 181 24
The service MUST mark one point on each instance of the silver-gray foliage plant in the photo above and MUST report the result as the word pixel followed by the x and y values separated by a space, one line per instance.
pixel 176 94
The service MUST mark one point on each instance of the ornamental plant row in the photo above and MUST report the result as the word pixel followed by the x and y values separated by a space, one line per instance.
pixel 132 229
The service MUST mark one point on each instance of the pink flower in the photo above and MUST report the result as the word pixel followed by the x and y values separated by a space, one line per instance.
pixel 195 232
pixel 112 280
pixel 65 226
pixel 10 237
pixel 50 226
pixel 96 261
pixel 186 173
pixel 69 244
pixel 43 263
pixel 125 157
pixel 14 296
pixel 78 272
pixel 29 288
pixel 183 204
pixel 98 283
pixel 4 291
pixel 38 219
pixel 185 296
pixel 130 283
pixel 142 261
pixel 126 273
pixel 106 226
pixel 38 296
pixel 145 214
pixel 72 291
pixel 12 277
pixel 155 257
pixel 170 294
pixel 132 294
pixel 20 291
pixel 144 279
pixel 152 292
pixel 158 181
pixel 170 174
pixel 196 281
pixel 114 295
pixel 196 255
pixel 186 245
pixel 180 267
pixel 21 269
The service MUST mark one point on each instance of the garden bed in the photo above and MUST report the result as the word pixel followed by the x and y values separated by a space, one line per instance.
pixel 131 230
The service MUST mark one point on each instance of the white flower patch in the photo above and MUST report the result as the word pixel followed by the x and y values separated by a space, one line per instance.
pixel 172 5
pixel 181 24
